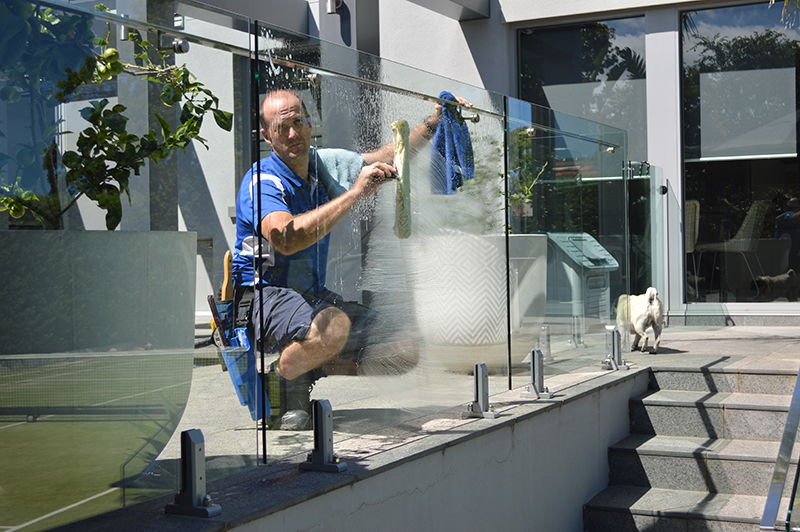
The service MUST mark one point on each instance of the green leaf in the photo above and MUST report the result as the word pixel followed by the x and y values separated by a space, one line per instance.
pixel 223 119
pixel 166 131
pixel 110 202
pixel 52 131
pixel 25 157
pixel 188 112
pixel 9 94
pixel 17 42
pixel 148 146
pixel 89 113
pixel 170 95
pixel 183 143
pixel 115 121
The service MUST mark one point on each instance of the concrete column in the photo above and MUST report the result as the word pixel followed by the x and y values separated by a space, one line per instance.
pixel 664 138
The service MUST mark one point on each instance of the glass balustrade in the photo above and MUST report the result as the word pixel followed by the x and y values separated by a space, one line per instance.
pixel 111 245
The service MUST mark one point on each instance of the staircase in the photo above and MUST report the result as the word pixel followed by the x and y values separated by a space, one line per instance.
pixel 700 456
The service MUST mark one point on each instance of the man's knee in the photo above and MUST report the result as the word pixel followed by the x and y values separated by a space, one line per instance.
pixel 331 327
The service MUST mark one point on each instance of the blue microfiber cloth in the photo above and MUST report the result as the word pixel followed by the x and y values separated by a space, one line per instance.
pixel 453 143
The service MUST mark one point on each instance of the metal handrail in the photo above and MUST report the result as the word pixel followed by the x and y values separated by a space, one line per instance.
pixel 769 520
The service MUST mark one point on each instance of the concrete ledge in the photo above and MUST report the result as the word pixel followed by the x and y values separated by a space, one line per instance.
pixel 431 473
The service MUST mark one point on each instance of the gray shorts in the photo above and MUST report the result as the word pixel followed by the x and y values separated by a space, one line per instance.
pixel 288 317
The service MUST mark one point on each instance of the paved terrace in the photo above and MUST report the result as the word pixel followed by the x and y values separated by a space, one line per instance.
pixel 373 434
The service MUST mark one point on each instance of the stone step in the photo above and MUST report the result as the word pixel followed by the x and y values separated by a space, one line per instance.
pixel 633 509
pixel 697 464
pixel 724 380
pixel 719 415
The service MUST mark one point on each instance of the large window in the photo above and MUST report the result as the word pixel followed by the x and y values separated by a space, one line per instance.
pixel 740 150
pixel 595 71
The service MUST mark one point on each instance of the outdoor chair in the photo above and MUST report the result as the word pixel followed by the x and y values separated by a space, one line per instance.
pixel 744 242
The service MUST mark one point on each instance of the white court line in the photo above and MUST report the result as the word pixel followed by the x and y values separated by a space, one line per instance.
pixel 51 514
pixel 144 393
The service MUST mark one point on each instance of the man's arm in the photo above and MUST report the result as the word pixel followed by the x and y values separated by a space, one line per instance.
pixel 289 234
pixel 417 137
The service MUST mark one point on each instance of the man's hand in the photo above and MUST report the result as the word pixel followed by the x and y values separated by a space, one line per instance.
pixel 289 234
pixel 371 177
pixel 461 101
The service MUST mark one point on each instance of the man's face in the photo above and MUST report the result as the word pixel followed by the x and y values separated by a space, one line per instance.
pixel 289 131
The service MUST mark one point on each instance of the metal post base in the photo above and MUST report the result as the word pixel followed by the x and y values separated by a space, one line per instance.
pixel 530 391
pixel 577 334
pixel 211 510
pixel 192 499
pixel 611 364
pixel 614 350
pixel 480 407
pixel 474 410
pixel 322 458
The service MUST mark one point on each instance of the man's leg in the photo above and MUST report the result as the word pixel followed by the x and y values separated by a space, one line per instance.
pixel 325 338
pixel 397 355
pixel 306 333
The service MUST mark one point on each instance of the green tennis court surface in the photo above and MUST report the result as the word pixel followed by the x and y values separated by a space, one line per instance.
pixel 79 433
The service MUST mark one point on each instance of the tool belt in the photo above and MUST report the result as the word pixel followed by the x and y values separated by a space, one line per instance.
pixel 242 305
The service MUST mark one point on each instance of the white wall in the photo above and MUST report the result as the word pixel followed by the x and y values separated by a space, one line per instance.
pixel 533 473
pixel 473 52
pixel 482 52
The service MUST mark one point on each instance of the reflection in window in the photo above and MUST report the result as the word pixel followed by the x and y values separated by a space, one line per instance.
pixel 595 71
pixel 740 147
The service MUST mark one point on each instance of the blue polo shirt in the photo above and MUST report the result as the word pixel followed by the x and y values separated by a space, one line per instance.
pixel 331 172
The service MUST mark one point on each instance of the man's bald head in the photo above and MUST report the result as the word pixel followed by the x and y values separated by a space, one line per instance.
pixel 286 126
pixel 272 102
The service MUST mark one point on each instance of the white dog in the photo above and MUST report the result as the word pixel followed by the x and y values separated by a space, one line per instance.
pixel 645 312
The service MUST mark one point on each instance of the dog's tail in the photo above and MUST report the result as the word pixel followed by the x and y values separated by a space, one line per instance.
pixel 651 295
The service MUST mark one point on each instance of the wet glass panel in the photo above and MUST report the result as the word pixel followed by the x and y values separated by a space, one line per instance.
pixel 436 296
pixel 124 354
pixel 739 76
